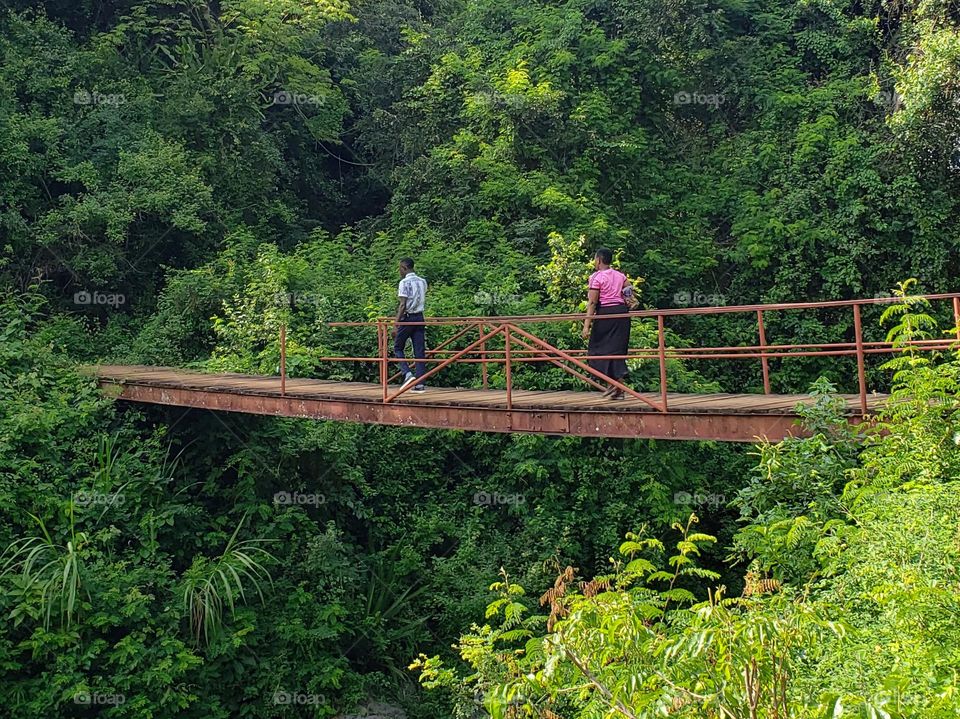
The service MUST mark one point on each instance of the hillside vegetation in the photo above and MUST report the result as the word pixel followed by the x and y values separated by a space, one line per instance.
pixel 183 178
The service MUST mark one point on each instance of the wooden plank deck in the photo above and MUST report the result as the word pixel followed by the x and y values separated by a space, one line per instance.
pixel 720 416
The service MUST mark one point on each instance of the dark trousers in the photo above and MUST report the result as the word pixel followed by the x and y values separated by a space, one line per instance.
pixel 415 334
pixel 610 337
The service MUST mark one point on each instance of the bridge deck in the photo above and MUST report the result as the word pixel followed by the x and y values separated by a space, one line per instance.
pixel 730 417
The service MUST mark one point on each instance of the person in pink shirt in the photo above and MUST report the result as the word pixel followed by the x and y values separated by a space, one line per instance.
pixel 608 293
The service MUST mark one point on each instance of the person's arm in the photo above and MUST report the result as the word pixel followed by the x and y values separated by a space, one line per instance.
pixel 593 299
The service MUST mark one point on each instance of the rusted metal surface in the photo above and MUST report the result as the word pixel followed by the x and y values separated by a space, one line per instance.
pixel 283 359
pixel 764 361
pixel 676 425
pixel 956 315
pixel 662 359
pixel 582 423
pixel 508 348
pixel 484 372
pixel 722 417
pixel 540 422
pixel 861 369
pixel 383 343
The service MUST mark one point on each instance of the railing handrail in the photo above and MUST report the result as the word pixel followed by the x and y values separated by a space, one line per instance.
pixel 656 312
pixel 523 346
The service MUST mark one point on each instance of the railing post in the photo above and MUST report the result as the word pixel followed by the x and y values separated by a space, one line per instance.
pixel 483 356
pixel 662 350
pixel 506 334
pixel 861 370
pixel 763 355
pixel 956 315
pixel 383 343
pixel 283 360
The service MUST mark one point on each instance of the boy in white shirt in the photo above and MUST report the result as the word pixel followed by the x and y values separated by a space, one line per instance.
pixel 412 295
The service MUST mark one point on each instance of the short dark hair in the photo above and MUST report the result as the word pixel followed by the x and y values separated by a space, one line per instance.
pixel 407 262
pixel 605 255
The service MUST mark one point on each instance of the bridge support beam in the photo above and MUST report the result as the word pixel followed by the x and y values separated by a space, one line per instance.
pixel 577 422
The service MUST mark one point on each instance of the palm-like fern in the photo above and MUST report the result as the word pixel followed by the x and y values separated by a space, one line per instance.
pixel 209 585
pixel 51 570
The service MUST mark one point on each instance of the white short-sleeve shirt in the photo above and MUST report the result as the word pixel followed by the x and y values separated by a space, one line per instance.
pixel 414 290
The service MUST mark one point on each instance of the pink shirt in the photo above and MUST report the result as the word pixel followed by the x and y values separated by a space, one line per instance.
pixel 610 283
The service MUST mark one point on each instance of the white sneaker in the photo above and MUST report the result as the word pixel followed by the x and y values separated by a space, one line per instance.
pixel 419 388
pixel 411 377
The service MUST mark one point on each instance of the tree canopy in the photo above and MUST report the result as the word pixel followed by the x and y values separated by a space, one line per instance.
pixel 181 178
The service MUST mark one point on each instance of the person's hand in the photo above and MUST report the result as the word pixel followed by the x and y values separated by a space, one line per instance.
pixel 586 332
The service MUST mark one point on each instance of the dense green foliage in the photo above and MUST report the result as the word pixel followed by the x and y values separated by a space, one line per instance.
pixel 181 178
pixel 849 607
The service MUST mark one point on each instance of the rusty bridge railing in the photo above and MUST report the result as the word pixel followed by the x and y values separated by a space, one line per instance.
pixel 510 341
